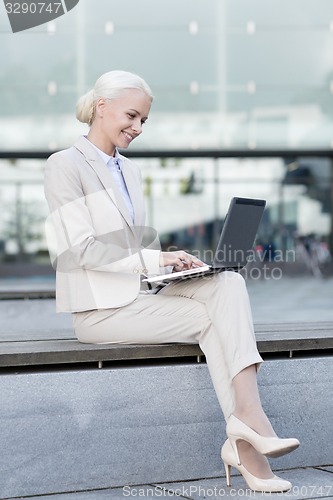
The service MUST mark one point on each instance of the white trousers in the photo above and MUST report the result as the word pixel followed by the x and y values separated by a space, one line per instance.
pixel 213 312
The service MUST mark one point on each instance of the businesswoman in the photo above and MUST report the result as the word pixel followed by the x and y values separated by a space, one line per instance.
pixel 102 249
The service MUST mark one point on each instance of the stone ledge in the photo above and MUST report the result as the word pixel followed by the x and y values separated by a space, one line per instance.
pixel 79 430
pixel 272 339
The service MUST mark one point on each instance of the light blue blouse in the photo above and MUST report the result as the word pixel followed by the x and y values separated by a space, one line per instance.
pixel 113 163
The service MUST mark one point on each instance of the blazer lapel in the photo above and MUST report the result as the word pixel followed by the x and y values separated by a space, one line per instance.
pixel 134 191
pixel 101 170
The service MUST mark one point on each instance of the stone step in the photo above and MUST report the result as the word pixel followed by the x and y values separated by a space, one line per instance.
pixel 61 347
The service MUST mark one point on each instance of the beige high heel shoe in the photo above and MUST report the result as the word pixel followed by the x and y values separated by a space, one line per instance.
pixel 272 485
pixel 270 446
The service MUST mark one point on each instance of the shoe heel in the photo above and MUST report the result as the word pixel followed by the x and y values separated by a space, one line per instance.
pixel 227 473
pixel 233 442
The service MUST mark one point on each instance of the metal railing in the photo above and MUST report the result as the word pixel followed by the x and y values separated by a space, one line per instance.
pixel 288 155
pixel 190 153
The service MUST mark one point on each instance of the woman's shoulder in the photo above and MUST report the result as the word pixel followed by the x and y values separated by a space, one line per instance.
pixel 67 158
pixel 63 164
pixel 62 154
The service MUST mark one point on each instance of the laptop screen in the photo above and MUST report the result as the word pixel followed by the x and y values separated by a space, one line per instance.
pixel 239 232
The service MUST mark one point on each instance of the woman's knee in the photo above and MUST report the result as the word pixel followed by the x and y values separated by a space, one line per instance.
pixel 232 278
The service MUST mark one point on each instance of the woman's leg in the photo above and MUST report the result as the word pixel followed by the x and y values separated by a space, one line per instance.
pixel 229 344
pixel 232 357
pixel 249 410
pixel 247 402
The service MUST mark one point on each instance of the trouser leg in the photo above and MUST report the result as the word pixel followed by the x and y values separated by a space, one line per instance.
pixel 229 343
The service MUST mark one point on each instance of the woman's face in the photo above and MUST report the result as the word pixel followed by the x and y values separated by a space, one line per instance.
pixel 120 120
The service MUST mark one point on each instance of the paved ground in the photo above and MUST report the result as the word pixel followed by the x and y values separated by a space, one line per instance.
pixel 308 483
pixel 291 299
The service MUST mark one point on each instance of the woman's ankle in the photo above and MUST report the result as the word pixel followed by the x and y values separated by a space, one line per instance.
pixel 253 461
pixel 255 418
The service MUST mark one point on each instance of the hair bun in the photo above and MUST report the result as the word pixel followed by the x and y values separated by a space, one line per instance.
pixel 85 107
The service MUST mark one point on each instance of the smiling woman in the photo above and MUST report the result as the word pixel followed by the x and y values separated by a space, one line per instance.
pixel 102 250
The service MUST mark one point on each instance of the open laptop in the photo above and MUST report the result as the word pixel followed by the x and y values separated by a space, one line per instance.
pixel 235 244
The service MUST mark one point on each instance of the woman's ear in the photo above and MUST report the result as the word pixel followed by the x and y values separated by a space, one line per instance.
pixel 100 106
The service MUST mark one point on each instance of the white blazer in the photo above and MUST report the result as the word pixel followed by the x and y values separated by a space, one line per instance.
pixel 98 253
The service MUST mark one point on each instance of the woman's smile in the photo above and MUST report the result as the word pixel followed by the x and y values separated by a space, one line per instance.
pixel 128 137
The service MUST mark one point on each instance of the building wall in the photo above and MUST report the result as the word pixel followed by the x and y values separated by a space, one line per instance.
pixel 225 73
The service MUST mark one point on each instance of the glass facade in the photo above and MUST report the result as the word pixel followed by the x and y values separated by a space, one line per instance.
pixel 226 74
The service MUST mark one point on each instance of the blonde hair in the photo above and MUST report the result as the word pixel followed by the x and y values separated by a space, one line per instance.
pixel 109 85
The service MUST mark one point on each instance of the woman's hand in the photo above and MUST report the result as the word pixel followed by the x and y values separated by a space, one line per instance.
pixel 180 260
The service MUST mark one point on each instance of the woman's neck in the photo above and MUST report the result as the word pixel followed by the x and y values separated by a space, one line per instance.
pixel 101 143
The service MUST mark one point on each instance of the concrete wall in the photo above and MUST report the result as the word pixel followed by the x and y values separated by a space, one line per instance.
pixel 75 430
